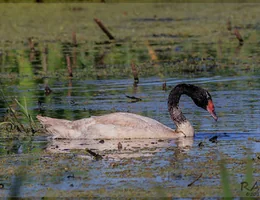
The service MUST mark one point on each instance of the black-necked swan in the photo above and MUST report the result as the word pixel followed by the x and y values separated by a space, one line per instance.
pixel 129 125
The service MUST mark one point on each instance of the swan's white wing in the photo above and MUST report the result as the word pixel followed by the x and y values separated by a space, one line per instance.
pixel 124 125
pixel 114 125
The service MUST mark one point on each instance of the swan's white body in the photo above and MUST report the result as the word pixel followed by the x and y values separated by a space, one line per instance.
pixel 114 125
pixel 128 125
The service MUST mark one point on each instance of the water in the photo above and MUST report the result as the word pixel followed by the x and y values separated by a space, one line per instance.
pixel 206 56
pixel 144 165
pixel 235 99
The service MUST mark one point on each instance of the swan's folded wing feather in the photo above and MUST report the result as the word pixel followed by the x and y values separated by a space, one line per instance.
pixel 126 125
pixel 115 125
pixel 126 120
pixel 61 128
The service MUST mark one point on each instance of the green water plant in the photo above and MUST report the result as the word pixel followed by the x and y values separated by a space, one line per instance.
pixel 247 187
pixel 25 112
pixel 13 119
pixel 225 181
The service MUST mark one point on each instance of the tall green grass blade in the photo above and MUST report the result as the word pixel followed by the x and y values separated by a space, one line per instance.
pixel 248 182
pixel 249 171
pixel 25 112
pixel 225 180
pixel 25 106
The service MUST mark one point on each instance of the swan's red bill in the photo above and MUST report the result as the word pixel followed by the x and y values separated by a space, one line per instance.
pixel 211 109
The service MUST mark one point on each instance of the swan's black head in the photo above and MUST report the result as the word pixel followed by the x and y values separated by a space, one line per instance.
pixel 201 98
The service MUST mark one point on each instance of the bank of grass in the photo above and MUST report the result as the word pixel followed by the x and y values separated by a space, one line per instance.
pixel 121 1
pixel 57 21
pixel 189 37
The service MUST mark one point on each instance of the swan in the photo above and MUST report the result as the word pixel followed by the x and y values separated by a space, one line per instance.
pixel 128 125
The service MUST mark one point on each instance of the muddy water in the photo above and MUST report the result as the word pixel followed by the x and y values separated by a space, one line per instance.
pixel 168 46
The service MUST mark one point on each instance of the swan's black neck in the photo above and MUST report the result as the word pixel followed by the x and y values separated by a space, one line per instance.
pixel 173 102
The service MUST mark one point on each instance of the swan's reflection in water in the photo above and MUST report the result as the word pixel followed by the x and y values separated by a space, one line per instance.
pixel 121 148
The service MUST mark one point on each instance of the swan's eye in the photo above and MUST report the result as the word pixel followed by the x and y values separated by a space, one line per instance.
pixel 208 95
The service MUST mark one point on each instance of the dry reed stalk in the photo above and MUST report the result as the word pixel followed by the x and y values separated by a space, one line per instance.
pixel 135 73
pixel 104 29
pixel 74 57
pixel 31 44
pixel 74 39
pixel 164 85
pixel 69 65
pixel 238 36
pixel 151 52
pixel 229 26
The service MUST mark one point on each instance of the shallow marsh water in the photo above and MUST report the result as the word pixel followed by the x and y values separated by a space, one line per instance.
pixel 206 55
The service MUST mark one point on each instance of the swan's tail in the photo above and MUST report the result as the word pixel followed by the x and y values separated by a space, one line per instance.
pixel 61 128
pixel 58 128
pixel 48 121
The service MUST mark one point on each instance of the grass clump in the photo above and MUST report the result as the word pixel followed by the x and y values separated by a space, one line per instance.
pixel 12 125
